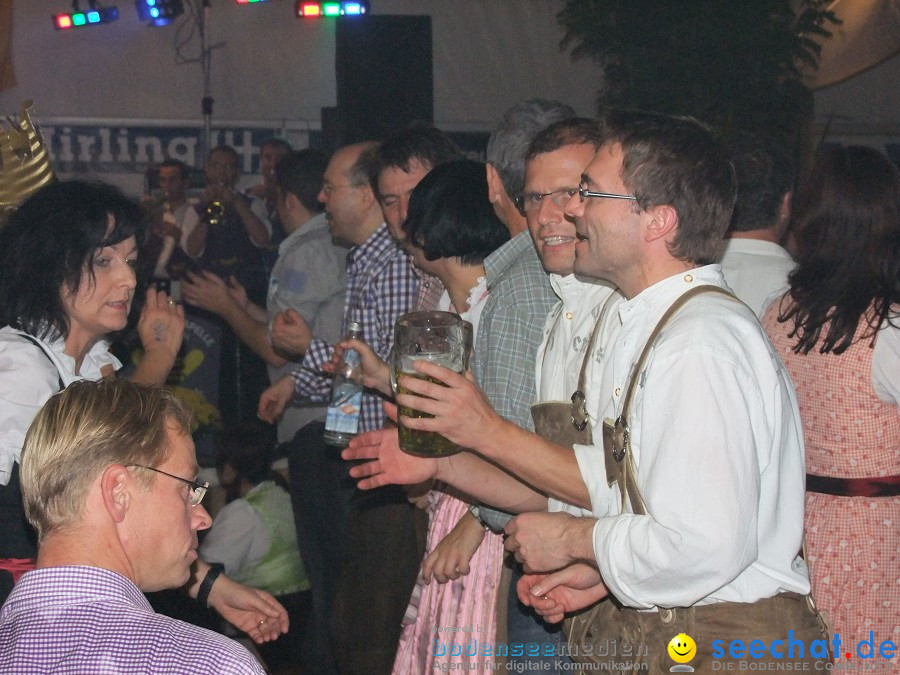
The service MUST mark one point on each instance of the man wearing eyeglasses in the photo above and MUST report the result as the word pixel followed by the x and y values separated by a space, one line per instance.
pixel 381 285
pixel 690 501
pixel 109 480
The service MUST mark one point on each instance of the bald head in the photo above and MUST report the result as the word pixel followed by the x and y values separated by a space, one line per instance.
pixel 350 204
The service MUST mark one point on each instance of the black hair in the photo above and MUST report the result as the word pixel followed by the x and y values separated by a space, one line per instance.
pixel 48 244
pixel 451 216
pixel 300 173
pixel 247 450
pixel 276 142
pixel 846 219
pixel 427 145
pixel 183 168
pixel 765 174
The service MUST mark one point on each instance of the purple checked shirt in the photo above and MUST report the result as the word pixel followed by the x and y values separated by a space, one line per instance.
pixel 381 285
pixel 82 619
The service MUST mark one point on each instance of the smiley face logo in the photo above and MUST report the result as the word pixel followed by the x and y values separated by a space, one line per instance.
pixel 682 648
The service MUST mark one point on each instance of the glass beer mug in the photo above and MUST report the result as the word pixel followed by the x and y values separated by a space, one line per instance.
pixel 436 337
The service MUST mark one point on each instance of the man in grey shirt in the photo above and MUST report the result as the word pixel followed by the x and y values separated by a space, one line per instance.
pixel 308 280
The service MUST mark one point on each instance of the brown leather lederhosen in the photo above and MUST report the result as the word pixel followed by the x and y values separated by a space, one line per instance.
pixel 567 423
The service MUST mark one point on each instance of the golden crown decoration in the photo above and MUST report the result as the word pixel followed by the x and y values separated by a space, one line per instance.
pixel 24 159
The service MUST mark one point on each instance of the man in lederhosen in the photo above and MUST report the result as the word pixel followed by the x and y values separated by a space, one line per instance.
pixel 690 517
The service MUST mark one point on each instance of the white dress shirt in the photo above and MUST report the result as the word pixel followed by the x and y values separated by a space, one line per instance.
pixel 567 334
pixel 886 363
pixel 718 450
pixel 755 270
pixel 238 538
pixel 28 379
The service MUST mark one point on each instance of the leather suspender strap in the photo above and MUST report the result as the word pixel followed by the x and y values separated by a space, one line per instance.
pixel 619 462
pixel 664 319
pixel 580 415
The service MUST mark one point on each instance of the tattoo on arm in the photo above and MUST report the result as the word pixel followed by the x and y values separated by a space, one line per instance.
pixel 159 331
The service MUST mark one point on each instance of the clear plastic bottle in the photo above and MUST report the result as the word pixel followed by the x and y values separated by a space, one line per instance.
pixel 342 418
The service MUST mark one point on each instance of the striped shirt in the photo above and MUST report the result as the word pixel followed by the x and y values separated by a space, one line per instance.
pixel 381 285
pixel 80 619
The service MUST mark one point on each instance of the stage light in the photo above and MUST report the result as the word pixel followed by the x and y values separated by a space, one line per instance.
pixel 332 9
pixel 249 2
pixel 92 17
pixel 159 12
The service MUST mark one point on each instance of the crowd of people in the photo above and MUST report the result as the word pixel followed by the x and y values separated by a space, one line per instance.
pixel 681 414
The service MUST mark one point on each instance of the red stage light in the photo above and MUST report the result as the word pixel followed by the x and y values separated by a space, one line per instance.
pixel 93 17
pixel 310 9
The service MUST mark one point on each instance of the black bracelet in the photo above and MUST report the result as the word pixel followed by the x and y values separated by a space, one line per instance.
pixel 215 569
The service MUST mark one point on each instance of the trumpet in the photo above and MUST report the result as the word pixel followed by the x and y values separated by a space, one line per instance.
pixel 215 211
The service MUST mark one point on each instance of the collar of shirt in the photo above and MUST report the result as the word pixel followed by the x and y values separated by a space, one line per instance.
pixel 315 223
pixel 754 247
pixel 378 243
pixel 650 303
pixel 506 255
pixel 72 583
pixel 97 357
pixel 571 287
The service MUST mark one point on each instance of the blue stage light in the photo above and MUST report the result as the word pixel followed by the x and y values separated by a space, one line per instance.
pixel 159 12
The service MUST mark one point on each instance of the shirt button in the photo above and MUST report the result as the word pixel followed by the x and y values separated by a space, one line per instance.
pixel 618 391
pixel 689 278
pixel 569 315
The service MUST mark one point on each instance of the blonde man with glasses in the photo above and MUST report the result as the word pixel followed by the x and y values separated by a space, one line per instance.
pixel 109 480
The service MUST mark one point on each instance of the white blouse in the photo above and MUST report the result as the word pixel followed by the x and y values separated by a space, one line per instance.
pixel 478 295
pixel 28 378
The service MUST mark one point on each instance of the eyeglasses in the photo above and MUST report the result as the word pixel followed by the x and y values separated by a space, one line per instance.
pixel 328 188
pixel 197 491
pixel 531 201
pixel 584 193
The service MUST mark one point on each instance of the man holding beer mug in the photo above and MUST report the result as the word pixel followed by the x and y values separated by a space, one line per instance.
pixel 708 526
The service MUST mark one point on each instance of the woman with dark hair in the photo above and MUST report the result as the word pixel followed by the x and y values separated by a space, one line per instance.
pixel 67 280
pixel 838 332
pixel 451 228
